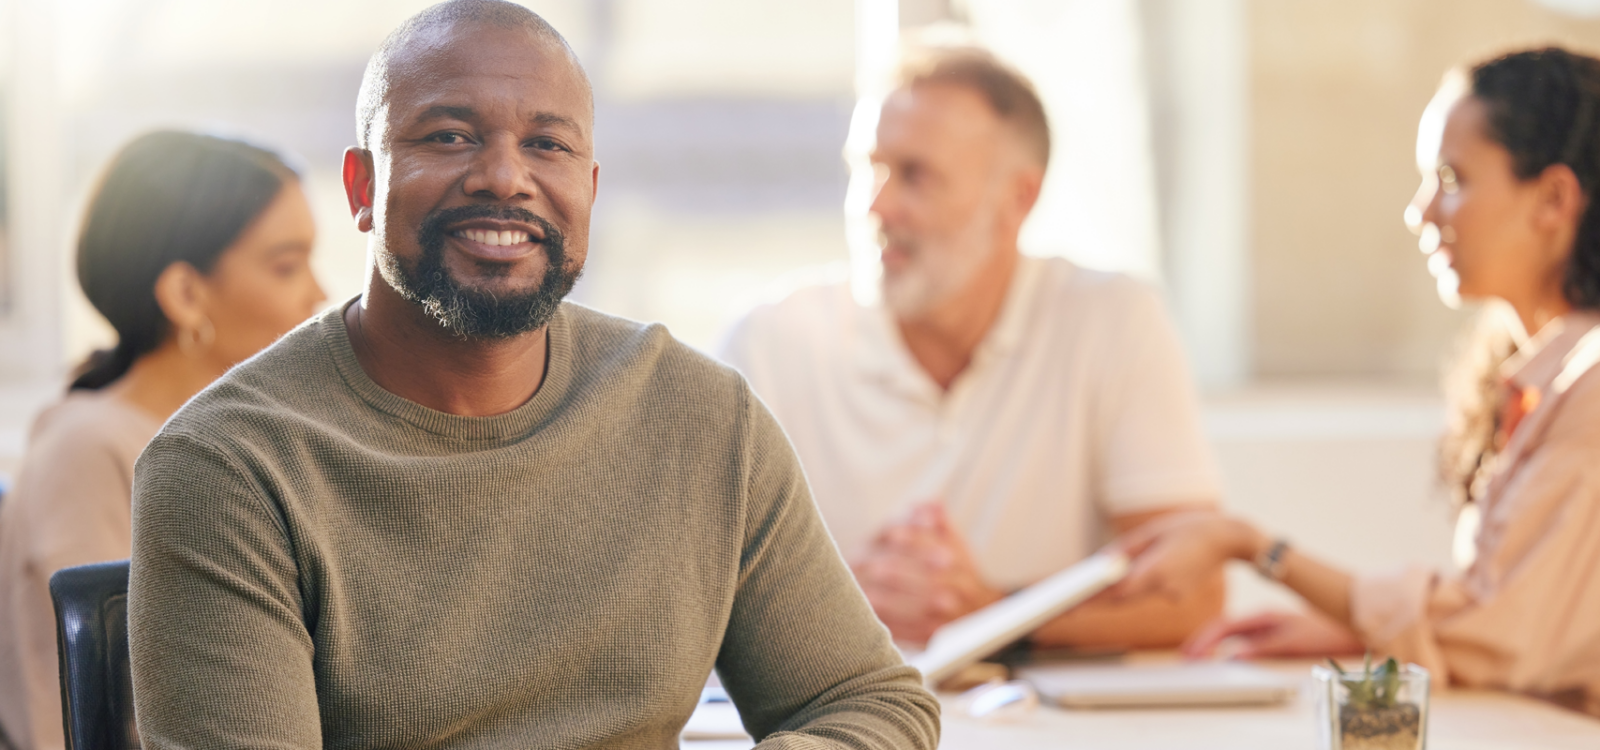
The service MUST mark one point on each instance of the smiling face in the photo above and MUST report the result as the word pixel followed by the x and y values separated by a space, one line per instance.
pixel 482 177
pixel 1481 225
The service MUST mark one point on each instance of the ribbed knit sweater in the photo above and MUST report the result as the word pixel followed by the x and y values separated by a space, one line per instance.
pixel 318 562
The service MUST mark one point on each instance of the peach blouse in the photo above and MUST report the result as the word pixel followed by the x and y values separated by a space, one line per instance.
pixel 70 506
pixel 1525 616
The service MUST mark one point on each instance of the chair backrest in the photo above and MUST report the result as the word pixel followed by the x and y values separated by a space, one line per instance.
pixel 92 635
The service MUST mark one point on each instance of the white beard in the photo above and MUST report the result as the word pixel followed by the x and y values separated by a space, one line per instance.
pixel 939 270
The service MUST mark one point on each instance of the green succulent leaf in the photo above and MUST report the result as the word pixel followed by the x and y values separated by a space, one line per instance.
pixel 1372 688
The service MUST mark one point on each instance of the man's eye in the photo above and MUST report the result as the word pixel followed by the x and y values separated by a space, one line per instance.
pixel 547 144
pixel 448 138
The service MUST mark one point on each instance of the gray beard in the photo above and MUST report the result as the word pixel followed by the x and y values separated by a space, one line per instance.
pixel 472 313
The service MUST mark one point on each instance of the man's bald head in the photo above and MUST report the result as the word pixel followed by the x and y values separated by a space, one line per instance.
pixel 430 28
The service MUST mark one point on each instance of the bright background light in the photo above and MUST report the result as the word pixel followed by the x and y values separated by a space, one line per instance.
pixel 1252 157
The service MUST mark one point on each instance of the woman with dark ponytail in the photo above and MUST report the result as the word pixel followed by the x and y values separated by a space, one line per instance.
pixel 1509 213
pixel 197 251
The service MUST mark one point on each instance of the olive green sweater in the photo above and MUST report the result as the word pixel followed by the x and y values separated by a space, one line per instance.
pixel 318 562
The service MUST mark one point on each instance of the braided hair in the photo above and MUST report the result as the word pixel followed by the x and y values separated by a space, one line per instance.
pixel 1543 107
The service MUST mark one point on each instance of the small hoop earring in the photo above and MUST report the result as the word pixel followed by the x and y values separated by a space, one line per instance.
pixel 202 336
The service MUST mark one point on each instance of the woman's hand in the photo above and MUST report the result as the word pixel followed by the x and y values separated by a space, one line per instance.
pixel 1174 555
pixel 1275 634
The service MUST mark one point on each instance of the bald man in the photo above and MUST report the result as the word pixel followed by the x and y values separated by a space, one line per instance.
pixel 992 418
pixel 457 511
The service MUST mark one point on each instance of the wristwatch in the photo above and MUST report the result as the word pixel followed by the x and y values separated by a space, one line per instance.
pixel 1270 563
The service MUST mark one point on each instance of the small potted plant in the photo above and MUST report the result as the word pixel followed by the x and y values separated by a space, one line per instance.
pixel 1375 709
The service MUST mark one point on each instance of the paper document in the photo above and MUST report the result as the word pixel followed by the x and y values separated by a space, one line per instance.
pixel 964 641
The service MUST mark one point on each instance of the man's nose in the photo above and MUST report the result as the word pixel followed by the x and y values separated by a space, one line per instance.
pixel 885 193
pixel 501 171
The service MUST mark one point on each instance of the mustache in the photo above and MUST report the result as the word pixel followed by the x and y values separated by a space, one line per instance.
pixel 432 232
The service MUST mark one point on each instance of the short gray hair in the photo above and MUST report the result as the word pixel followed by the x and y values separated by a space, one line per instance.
pixel 1009 93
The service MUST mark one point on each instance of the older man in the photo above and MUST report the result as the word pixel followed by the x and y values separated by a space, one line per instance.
pixel 994 417
pixel 458 512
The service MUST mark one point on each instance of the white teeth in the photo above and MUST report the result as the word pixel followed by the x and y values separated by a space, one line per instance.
pixel 487 237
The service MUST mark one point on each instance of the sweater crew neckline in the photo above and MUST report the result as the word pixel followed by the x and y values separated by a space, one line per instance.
pixel 515 423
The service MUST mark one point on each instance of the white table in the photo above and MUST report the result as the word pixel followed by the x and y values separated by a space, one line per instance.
pixel 1458 720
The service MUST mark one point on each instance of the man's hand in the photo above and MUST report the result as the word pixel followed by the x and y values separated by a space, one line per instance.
pixel 1269 634
pixel 919 574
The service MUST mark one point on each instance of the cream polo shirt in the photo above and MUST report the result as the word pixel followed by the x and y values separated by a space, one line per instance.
pixel 1076 407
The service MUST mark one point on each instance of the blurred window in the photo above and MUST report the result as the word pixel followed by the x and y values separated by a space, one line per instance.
pixel 1086 57
pixel 5 163
pixel 719 127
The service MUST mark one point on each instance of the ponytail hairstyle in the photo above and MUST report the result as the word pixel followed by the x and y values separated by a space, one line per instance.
pixel 1543 107
pixel 167 197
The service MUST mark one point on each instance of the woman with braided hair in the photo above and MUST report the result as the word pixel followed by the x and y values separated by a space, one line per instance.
pixel 1510 158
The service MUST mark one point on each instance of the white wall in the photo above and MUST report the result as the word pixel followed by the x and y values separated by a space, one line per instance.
pixel 1345 472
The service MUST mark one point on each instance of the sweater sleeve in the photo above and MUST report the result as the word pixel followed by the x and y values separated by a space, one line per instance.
pixel 221 655
pixel 804 658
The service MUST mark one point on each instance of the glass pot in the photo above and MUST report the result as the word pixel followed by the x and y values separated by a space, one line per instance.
pixel 1391 714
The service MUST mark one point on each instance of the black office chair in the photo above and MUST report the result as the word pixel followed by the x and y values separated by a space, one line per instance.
pixel 92 636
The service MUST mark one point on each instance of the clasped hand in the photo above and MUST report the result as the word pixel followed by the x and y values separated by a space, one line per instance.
pixel 919 574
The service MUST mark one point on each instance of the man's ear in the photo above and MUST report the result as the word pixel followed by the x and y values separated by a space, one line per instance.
pixel 595 177
pixel 1026 184
pixel 358 183
pixel 182 294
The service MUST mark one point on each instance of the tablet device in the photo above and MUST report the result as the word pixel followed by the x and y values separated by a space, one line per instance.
pixel 979 634
pixel 1160 685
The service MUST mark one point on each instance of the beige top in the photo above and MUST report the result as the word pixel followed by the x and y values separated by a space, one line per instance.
pixel 69 507
pixel 1077 407
pixel 1526 615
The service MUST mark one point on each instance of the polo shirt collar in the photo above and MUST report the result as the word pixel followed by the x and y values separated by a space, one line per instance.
pixel 1012 325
